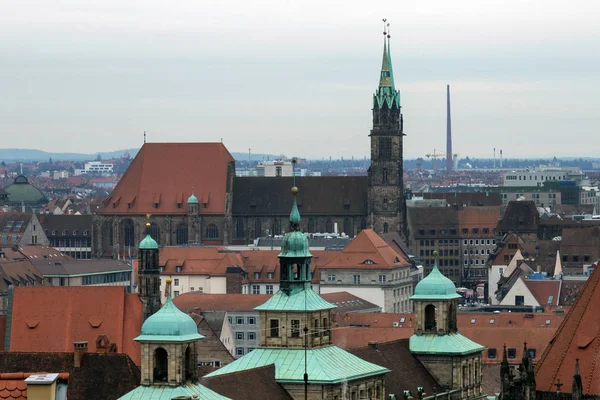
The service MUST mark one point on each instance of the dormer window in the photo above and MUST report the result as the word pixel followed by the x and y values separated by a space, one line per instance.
pixel 369 262
pixel 178 268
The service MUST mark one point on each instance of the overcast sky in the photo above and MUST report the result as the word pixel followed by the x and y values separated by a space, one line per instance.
pixel 297 76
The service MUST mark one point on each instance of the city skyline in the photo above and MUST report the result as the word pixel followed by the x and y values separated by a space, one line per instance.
pixel 97 76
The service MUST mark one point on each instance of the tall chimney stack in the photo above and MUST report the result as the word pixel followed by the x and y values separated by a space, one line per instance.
pixel 79 350
pixel 500 158
pixel 448 132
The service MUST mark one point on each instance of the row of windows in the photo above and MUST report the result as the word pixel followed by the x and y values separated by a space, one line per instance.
pixel 245 335
pixel 242 320
pixel 106 278
pixel 181 233
pixel 275 228
pixel 71 242
pixel 256 289
pixel 295 328
pixel 510 353
pixel 270 275
pixel 442 263
pixel 441 242
pixel 403 291
pixel 531 177
pixel 476 251
pixel 65 232
pixel 456 272
pixel 6 239
pixel 452 232
pixel 441 253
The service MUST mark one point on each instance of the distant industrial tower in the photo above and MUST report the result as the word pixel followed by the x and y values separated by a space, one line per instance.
pixel 448 132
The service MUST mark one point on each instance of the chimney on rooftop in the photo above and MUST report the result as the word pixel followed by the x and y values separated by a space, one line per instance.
pixel 233 280
pixel 41 386
pixel 79 350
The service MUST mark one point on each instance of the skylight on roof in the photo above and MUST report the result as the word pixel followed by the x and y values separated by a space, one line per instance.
pixel 492 320
pixel 8 226
pixel 18 226
pixel 369 262
pixel 550 299
pixel 547 322
pixel 473 320
pixel 402 320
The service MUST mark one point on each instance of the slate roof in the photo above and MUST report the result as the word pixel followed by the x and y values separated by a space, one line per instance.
pixel 520 216
pixel 19 273
pixel 577 337
pixel 101 376
pixel 270 196
pixel 13 223
pixel 74 267
pixel 431 218
pixel 48 318
pixel 70 223
pixel 166 174
pixel 365 248
pixel 252 384
pixel 326 365
pixel 406 371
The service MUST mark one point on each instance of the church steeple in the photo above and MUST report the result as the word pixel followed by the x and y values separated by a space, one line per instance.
pixel 386 189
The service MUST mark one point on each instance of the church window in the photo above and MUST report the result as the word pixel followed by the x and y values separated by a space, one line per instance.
pixel 363 223
pixel 385 227
pixel 154 232
pixel 181 234
pixel 329 226
pixel 348 226
pixel 239 228
pixel 212 232
pixel 276 227
pixel 311 225
pixel 385 200
pixel 161 372
pixel 384 175
pixel 295 328
pixel 257 228
pixel 430 318
pixel 385 148
pixel 274 328
pixel 129 234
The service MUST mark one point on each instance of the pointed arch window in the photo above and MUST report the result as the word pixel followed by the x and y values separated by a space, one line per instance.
pixel 329 226
pixel 239 228
pixel 129 233
pixel 386 227
pixel 181 234
pixel 385 148
pixel 311 225
pixel 348 226
pixel 363 223
pixel 276 227
pixel 154 232
pixel 384 175
pixel 257 228
pixel 212 232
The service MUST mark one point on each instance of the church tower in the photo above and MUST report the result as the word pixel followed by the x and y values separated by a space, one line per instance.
pixel 386 188
pixel 149 276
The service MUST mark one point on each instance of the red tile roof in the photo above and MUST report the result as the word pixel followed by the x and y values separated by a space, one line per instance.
pixel 199 302
pixel 542 290
pixel 50 319
pixel 198 260
pixel 368 246
pixel 166 173
pixel 13 386
pixel 577 337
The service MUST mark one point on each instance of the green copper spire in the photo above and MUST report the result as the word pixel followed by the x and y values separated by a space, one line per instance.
pixel 295 214
pixel 435 286
pixel 386 92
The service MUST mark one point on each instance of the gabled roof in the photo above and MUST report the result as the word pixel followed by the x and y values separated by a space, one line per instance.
pixel 166 174
pixel 198 260
pixel 520 216
pixel 200 302
pixel 70 223
pixel 546 292
pixel 19 273
pixel 368 251
pixel 326 365
pixel 406 371
pixel 577 337
pixel 89 381
pixel 252 384
pixel 48 318
pixel 270 195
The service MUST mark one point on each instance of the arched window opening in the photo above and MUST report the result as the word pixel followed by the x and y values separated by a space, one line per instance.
pixel 188 365
pixel 161 365
pixel 154 232
pixel 311 225
pixel 182 234
pixel 296 271
pixel 284 272
pixel 430 318
pixel 239 228
pixel 329 226
pixel 384 175
pixel 212 232
pixel 257 228
pixel 129 234
pixel 452 318
pixel 386 227
pixel 348 227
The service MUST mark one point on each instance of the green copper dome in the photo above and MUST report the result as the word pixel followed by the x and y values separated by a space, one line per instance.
pixel 148 243
pixel 294 243
pixel 192 199
pixel 169 324
pixel 435 286
pixel 22 192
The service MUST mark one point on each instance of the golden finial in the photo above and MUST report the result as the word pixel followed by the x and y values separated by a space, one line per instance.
pixel 148 215
pixel 168 281
pixel 294 190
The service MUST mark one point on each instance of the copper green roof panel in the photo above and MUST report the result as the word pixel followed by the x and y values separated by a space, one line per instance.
pixel 192 199
pixel 451 344
pixel 169 392
pixel 326 365
pixel 299 299
pixel 435 286
pixel 148 243
pixel 21 191
pixel 169 324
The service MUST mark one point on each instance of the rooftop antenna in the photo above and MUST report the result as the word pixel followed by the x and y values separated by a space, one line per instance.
pixel 249 155
pixel 144 136
pixel 494 158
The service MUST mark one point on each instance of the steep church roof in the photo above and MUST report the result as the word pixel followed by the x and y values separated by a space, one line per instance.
pixel 578 337
pixel 162 175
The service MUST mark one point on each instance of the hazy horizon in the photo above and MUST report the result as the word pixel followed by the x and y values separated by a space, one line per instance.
pixel 297 77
